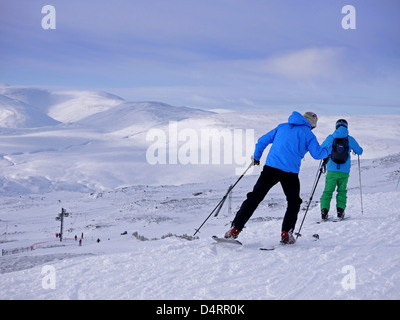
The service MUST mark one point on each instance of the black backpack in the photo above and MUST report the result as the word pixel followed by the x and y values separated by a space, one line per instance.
pixel 340 150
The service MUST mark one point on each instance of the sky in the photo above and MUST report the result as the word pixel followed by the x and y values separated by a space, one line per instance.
pixel 231 54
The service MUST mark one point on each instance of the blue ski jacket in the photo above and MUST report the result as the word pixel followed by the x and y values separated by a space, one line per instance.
pixel 341 132
pixel 290 142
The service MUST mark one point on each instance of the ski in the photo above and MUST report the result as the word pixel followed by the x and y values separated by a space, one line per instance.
pixel 270 248
pixel 340 219
pixel 324 220
pixel 224 240
pixel 273 247
pixel 332 219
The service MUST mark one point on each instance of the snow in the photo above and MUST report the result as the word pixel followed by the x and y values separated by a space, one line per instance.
pixel 85 151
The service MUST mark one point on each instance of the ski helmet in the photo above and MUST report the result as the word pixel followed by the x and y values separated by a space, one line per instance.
pixel 312 119
pixel 341 122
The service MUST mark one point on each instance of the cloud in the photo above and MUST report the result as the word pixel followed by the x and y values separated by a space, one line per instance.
pixel 206 53
pixel 310 63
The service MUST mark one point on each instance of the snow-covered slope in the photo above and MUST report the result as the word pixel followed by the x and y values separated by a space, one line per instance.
pixel 17 114
pixel 354 259
pixel 137 117
pixel 97 142
pixel 93 162
pixel 63 105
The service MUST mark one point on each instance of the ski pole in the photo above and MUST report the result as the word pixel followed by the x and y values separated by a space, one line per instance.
pixel 359 175
pixel 223 199
pixel 320 170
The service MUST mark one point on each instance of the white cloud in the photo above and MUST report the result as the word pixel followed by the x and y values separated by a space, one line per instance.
pixel 311 63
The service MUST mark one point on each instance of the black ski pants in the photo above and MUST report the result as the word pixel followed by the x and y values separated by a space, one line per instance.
pixel 268 178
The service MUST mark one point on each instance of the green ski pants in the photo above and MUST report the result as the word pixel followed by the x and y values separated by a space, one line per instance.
pixel 332 180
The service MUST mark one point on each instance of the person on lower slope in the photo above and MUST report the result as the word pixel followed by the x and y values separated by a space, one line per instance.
pixel 338 168
pixel 290 142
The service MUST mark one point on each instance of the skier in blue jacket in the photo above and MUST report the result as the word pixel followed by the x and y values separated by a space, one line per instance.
pixel 290 142
pixel 338 174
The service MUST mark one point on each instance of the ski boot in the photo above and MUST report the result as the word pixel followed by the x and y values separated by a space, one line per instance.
pixel 232 233
pixel 324 214
pixel 340 213
pixel 287 237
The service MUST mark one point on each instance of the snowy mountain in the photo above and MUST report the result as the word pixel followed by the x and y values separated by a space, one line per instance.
pixel 62 105
pixel 136 117
pixel 88 152
pixel 17 114
pixel 95 133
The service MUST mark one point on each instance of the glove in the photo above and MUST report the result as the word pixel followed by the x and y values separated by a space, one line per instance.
pixel 254 161
pixel 324 163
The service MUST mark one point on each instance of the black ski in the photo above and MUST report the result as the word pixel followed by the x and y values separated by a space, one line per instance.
pixel 224 240
pixel 270 248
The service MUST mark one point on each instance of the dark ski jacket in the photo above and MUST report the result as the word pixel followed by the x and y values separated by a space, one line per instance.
pixel 290 142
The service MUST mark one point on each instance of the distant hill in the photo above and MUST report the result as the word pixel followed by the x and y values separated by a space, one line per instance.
pixel 18 114
pixel 87 140
pixel 62 106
